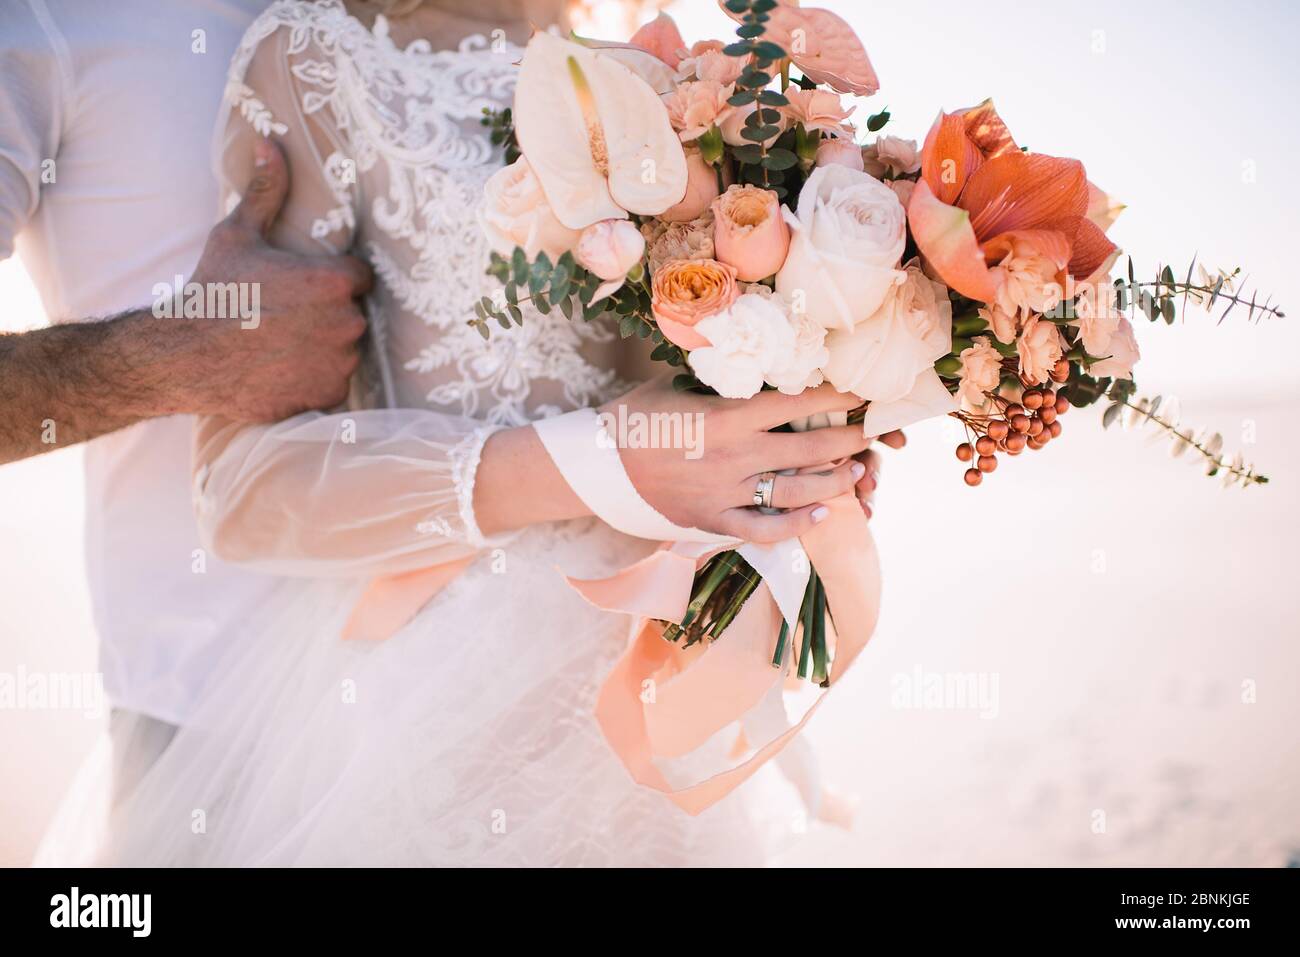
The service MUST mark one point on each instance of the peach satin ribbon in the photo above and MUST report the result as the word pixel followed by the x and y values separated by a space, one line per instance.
pixel 389 603
pixel 663 701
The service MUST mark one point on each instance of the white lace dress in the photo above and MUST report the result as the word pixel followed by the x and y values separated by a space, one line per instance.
pixel 468 737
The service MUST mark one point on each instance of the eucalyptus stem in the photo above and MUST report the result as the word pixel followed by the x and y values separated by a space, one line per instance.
pixel 1216 460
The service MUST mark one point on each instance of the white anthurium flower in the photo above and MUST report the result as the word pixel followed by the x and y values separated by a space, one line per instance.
pixel 661 77
pixel 595 133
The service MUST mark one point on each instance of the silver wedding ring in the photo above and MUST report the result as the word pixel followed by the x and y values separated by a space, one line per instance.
pixel 763 491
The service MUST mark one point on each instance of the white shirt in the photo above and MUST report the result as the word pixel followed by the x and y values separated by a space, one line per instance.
pixel 122 97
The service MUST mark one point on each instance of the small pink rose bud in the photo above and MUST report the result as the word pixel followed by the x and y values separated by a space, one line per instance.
pixel 610 248
pixel 839 152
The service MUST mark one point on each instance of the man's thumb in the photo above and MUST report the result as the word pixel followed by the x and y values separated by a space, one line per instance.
pixel 266 191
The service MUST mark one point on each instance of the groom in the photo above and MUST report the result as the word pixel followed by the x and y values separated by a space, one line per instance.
pixel 106 192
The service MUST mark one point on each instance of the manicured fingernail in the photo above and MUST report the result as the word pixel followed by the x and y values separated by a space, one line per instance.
pixel 819 513
pixel 867 509
pixel 261 154
pixel 857 470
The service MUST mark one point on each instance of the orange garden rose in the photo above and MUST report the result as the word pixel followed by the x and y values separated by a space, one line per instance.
pixel 749 233
pixel 684 291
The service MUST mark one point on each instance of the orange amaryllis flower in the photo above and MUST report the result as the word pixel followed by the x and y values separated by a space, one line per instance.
pixel 983 208
pixel 820 44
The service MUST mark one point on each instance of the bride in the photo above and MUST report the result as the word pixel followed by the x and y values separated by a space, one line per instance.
pixel 467 737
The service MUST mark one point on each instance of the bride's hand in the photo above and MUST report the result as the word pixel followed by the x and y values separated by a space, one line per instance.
pixel 723 448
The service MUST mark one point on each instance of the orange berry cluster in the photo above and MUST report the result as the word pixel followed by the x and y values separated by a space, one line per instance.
pixel 1028 424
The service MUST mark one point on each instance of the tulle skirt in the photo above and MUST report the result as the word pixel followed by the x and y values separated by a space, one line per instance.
pixel 465 739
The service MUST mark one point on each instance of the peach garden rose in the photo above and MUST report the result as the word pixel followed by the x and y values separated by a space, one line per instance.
pixel 685 291
pixel 749 232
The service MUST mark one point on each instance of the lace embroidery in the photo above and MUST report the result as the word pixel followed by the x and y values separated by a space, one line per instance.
pixel 408 175
pixel 464 467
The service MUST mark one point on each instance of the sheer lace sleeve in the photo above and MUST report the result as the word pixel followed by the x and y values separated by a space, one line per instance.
pixel 350 492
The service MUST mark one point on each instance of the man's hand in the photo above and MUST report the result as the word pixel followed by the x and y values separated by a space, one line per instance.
pixel 75 381
pixel 300 350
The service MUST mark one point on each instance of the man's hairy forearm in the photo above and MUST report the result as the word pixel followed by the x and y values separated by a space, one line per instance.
pixel 69 383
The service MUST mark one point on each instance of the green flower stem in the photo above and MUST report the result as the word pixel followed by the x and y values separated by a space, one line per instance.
pixel 781 640
pixel 819 631
pixel 719 568
pixel 748 585
pixel 805 648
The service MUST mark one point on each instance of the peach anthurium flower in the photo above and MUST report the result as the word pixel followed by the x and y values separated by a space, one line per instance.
pixel 981 202
pixel 821 45
pixel 662 38
pixel 595 133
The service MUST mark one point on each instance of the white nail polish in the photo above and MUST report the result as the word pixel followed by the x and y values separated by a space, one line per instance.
pixel 857 470
pixel 819 513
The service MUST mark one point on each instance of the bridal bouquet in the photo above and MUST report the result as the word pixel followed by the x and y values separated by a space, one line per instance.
pixel 717 199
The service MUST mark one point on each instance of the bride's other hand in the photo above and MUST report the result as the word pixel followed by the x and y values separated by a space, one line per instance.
pixel 866 486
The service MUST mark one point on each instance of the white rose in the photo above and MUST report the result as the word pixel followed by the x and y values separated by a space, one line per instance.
pixel 845 246
pixel 888 358
pixel 747 341
pixel 515 213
